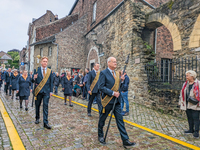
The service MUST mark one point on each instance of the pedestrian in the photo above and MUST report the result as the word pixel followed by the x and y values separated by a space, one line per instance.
pixel 190 90
pixel 85 82
pixel 31 74
pixel 83 86
pixel 24 87
pixel 92 88
pixel 67 86
pixel 76 89
pixel 62 75
pixel 43 90
pixel 21 73
pixel 1 80
pixel 124 94
pixel 56 82
pixel 13 82
pixel 7 81
pixel 109 82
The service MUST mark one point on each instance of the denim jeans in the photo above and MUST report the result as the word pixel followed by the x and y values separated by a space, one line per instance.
pixel 56 89
pixel 125 100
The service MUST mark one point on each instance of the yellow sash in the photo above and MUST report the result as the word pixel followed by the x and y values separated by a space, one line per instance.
pixel 42 83
pixel 94 82
pixel 115 88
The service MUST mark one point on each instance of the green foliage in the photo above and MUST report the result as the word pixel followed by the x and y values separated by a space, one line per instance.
pixel 15 60
pixel 147 45
pixel 170 4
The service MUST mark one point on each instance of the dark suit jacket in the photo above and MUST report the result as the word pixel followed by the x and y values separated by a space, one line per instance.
pixel 48 87
pixel 91 76
pixel 67 85
pixel 13 81
pixel 23 86
pixel 7 78
pixel 106 82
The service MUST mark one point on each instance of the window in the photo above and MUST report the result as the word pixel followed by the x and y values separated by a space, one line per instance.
pixel 94 11
pixel 166 70
pixel 50 51
pixel 41 52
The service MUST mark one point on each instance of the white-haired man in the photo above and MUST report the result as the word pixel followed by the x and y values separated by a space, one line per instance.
pixel 109 81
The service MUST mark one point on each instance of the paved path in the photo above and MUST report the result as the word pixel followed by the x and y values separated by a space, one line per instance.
pixel 72 129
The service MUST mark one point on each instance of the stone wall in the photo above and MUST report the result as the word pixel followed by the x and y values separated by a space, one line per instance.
pixel 52 60
pixel 55 27
pixel 71 43
pixel 120 35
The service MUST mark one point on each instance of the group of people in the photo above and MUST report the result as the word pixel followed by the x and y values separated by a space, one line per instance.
pixel 108 88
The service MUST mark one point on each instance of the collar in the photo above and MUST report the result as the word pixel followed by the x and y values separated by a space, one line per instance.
pixel 111 70
pixel 44 68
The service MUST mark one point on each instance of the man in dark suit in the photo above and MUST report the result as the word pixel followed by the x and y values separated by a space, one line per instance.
pixel 7 81
pixel 108 85
pixel 92 82
pixel 43 92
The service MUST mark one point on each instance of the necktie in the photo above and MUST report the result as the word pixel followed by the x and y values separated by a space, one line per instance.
pixel 113 74
pixel 43 73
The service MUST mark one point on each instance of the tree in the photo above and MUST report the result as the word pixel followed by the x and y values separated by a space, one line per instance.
pixel 15 60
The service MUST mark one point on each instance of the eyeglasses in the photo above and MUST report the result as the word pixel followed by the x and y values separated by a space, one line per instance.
pixel 113 62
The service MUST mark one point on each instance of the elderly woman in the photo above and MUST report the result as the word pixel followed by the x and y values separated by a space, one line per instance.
pixel 190 90
pixel 24 83
pixel 67 85
pixel 13 82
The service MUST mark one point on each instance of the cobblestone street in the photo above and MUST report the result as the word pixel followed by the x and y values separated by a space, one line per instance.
pixel 73 129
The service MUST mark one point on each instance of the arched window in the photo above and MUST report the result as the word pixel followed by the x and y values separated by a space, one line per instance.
pixel 50 51
pixel 41 52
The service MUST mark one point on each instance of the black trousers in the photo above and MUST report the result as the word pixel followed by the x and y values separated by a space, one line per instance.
pixel 118 118
pixel 7 86
pixel 91 99
pixel 45 97
pixel 193 120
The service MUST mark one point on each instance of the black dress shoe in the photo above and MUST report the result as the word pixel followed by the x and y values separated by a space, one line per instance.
pixel 37 121
pixel 101 140
pixel 188 132
pixel 89 115
pixel 9 94
pixel 26 109
pixel 127 144
pixel 20 106
pixel 71 105
pixel 47 126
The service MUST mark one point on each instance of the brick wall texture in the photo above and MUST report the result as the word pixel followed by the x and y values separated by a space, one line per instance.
pixel 55 27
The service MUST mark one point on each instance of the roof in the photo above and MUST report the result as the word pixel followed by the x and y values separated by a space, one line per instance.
pixel 45 40
pixel 5 57
pixel 73 7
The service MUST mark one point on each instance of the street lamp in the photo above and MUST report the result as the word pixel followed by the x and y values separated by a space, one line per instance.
pixel 94 38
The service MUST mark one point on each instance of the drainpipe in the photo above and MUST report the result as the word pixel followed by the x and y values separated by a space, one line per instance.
pixel 155 35
pixel 57 55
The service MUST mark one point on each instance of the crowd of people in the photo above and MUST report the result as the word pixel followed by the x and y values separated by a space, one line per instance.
pixel 105 88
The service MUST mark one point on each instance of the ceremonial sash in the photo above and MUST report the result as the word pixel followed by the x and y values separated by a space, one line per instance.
pixel 42 83
pixel 115 88
pixel 94 82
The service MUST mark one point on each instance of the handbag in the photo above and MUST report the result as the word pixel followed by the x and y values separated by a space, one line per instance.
pixel 193 100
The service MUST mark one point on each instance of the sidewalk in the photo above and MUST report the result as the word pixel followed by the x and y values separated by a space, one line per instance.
pixel 164 123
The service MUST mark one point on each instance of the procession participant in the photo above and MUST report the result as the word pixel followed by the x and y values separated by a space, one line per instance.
pixel 109 82
pixel 7 81
pixel 23 85
pixel 67 85
pixel 13 82
pixel 92 88
pixel 56 82
pixel 1 80
pixel 43 90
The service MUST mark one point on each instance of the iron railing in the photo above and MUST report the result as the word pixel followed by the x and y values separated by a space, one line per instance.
pixel 170 73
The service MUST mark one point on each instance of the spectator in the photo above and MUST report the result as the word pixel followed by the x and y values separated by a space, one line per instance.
pixel 124 94
pixel 191 90
pixel 1 80
pixel 67 86
pixel 62 75
pixel 83 86
pixel 7 81
pixel 56 82
pixel 76 90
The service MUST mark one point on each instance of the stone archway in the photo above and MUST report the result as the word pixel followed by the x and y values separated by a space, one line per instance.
pixel 158 19
pixel 195 35
pixel 93 57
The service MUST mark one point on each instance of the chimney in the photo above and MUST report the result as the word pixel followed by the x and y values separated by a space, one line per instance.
pixel 56 17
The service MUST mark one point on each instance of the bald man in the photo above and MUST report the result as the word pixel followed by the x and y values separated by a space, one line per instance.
pixel 108 78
